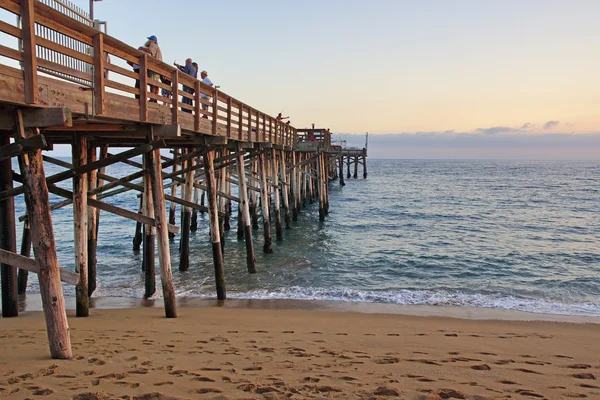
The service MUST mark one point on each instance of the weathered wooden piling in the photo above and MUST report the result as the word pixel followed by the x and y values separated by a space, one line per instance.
pixel 253 196
pixel 221 185
pixel 215 236
pixel 341 173
pixel 26 252
pixel 295 187
pixel 348 167
pixel 186 219
pixel 149 262
pixel 244 206
pixel 80 225
pixel 320 174
pixel 355 167
pixel 264 202
pixel 173 205
pixel 195 197
pixel 160 215
pixel 285 190
pixel 8 237
pixel 138 236
pixel 42 237
pixel 277 207
pixel 364 157
pixel 92 241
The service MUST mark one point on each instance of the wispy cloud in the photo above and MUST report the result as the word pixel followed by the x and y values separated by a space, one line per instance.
pixel 527 125
pixel 551 124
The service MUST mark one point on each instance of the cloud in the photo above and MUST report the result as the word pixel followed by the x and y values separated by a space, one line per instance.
pixel 495 130
pixel 551 124
pixel 527 125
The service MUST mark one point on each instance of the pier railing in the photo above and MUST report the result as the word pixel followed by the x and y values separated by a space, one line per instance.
pixel 108 91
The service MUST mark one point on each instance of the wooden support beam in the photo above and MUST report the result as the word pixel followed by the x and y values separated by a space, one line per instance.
pixel 186 218
pixel 99 73
pixel 285 190
pixel 8 238
pixel 264 197
pixel 9 150
pixel 275 171
pixel 172 206
pixel 29 55
pixel 148 262
pixel 44 246
pixel 250 259
pixel 160 214
pixel 302 163
pixel 215 238
pixel 80 227
pixel 31 265
pixel 295 186
pixel 38 118
pixel 26 252
pixel 320 185
pixel 175 97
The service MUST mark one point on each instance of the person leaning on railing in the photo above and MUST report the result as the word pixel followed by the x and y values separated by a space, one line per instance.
pixel 150 47
pixel 189 69
pixel 206 80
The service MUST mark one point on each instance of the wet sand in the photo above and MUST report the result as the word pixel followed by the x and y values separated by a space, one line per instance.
pixel 245 351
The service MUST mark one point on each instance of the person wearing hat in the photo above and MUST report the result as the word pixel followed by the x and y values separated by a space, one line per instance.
pixel 151 47
pixel 206 80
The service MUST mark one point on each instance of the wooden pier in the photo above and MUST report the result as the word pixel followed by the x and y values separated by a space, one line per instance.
pixel 78 90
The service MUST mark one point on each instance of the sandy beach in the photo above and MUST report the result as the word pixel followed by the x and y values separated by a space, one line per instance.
pixel 242 353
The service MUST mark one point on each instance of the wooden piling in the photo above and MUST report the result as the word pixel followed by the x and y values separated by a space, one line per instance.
pixel 44 245
pixel 173 205
pixel 253 195
pixel 138 235
pixel 320 174
pixel 8 237
pixel 26 252
pixel 215 236
pixel 285 191
pixel 341 173
pixel 80 225
pixel 364 157
pixel 264 202
pixel 326 183
pixel 162 234
pixel 221 185
pixel 194 220
pixel 355 167
pixel 348 167
pixel 149 263
pixel 275 170
pixel 244 206
pixel 92 241
pixel 186 219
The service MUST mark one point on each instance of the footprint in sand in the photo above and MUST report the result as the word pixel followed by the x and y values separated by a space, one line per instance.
pixel 207 390
pixel 163 383
pixel 507 382
pixel 530 393
pixel 528 371
pixel 584 376
pixel 579 366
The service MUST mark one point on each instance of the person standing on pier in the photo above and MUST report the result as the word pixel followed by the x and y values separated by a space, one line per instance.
pixel 206 80
pixel 151 47
pixel 280 117
pixel 189 69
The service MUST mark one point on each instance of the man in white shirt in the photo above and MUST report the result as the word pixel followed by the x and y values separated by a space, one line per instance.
pixel 206 80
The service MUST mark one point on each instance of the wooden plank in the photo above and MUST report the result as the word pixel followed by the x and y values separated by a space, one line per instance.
pixel 197 114
pixel 37 118
pixel 29 57
pixel 25 145
pixel 11 53
pixel 120 86
pixel 215 113
pixel 99 73
pixel 31 265
pixel 45 65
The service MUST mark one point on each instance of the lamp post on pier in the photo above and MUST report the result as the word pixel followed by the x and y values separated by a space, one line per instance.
pixel 92 9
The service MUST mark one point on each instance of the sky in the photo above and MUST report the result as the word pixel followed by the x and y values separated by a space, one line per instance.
pixel 426 78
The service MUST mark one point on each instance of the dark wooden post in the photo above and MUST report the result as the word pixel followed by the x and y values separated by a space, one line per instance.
pixel 92 225
pixel 25 251
pixel 99 73
pixel 186 219
pixel 215 237
pixel 162 235
pixel 364 157
pixel 227 218
pixel 149 262
pixel 253 195
pixel 348 172
pixel 8 237
pixel 355 167
pixel 275 170
pixel 264 202
pixel 44 246
pixel 221 205
pixel 295 188
pixel 285 191
pixel 341 161
pixel 194 218
pixel 174 194
pixel 320 174
pixel 80 225
pixel 250 260
pixel 138 236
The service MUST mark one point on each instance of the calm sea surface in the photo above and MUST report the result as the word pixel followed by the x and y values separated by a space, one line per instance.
pixel 521 235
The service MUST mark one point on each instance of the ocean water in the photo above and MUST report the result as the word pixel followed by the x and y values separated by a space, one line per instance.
pixel 516 235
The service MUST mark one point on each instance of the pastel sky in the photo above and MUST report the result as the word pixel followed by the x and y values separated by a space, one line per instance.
pixel 510 68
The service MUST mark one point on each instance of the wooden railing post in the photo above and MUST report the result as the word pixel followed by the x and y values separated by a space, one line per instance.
pixel 29 56
pixel 99 73
pixel 229 106
pixel 175 97
pixel 215 111
pixel 249 124
pixel 264 131
pixel 240 122
pixel 143 63
pixel 197 106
